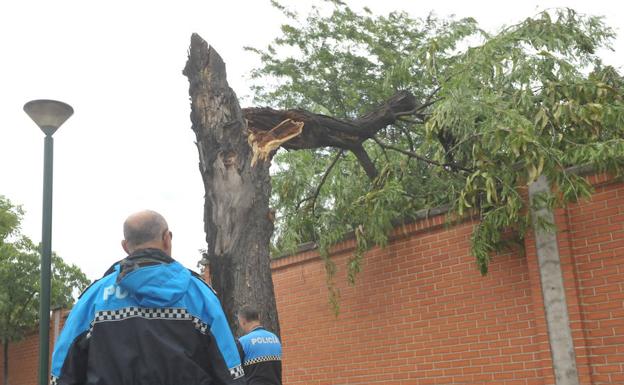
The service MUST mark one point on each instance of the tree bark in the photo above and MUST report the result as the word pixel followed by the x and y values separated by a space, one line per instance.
pixel 237 219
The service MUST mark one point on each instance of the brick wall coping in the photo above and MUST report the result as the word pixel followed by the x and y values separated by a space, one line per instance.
pixel 424 220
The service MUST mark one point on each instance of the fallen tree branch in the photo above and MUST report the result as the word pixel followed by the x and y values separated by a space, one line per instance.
pixel 365 161
pixel 318 131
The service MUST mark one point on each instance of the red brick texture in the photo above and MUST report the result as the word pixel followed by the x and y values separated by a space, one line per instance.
pixel 23 363
pixel 596 274
pixel 421 313
pixel 24 355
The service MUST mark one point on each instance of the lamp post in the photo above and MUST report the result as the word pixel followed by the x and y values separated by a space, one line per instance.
pixel 49 115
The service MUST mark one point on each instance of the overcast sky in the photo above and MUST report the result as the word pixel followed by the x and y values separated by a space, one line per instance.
pixel 129 144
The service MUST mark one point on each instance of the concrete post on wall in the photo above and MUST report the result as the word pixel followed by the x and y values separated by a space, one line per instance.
pixel 553 291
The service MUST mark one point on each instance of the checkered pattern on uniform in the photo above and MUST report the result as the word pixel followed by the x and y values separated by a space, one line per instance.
pixel 200 325
pixel 53 380
pixel 262 359
pixel 237 372
pixel 90 329
pixel 149 313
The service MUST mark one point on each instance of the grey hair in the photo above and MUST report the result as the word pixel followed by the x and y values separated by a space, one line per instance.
pixel 148 227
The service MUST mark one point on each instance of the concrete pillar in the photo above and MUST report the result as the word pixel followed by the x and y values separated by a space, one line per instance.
pixel 553 291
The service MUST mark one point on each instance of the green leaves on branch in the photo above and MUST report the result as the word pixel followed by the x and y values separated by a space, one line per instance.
pixel 20 265
pixel 501 109
pixel 10 219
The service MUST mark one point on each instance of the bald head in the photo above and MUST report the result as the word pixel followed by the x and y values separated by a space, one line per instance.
pixel 146 229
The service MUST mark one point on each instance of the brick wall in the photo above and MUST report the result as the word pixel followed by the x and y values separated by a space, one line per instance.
pixel 420 312
pixel 23 363
pixel 596 231
pixel 24 355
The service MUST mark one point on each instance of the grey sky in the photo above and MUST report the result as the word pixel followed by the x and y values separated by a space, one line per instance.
pixel 129 145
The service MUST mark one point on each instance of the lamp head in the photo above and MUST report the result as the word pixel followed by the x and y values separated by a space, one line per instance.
pixel 49 115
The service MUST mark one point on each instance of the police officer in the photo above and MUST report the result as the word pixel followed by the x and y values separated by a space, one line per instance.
pixel 261 350
pixel 148 321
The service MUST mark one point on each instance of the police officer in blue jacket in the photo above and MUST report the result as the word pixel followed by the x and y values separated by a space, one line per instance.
pixel 148 321
pixel 261 350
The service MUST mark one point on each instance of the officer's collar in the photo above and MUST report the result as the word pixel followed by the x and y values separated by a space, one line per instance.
pixel 256 328
pixel 150 254
pixel 142 258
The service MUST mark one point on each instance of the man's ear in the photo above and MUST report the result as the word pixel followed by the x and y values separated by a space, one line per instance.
pixel 167 238
pixel 167 242
pixel 124 245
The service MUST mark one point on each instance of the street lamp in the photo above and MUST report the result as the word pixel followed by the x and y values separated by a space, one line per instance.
pixel 49 116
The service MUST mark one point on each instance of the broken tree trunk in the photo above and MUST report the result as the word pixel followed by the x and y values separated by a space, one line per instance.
pixel 237 219
pixel 235 150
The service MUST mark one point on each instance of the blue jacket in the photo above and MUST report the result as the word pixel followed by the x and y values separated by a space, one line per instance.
pixel 150 321
pixel 262 357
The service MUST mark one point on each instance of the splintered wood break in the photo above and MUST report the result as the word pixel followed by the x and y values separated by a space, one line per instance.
pixel 263 143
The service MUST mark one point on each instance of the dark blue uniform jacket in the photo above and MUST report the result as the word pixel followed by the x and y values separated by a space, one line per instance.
pixel 262 357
